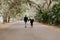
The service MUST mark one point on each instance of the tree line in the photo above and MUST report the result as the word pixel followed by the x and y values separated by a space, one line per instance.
pixel 50 15
pixel 47 12
pixel 11 9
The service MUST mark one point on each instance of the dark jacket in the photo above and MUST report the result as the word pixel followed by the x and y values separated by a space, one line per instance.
pixel 31 20
pixel 25 19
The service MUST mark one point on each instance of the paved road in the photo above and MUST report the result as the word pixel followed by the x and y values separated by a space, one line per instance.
pixel 38 32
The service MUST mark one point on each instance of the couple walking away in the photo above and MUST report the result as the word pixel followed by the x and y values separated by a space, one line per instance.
pixel 26 19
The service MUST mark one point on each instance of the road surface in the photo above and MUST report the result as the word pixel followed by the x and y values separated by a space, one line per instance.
pixel 17 31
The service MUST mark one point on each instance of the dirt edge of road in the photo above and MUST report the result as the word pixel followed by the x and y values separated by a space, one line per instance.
pixel 50 26
pixel 6 25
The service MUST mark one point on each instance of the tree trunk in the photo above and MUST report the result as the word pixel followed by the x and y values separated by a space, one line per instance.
pixel 5 18
pixel 8 19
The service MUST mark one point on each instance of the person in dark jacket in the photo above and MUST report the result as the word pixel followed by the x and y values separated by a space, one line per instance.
pixel 25 20
pixel 31 22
